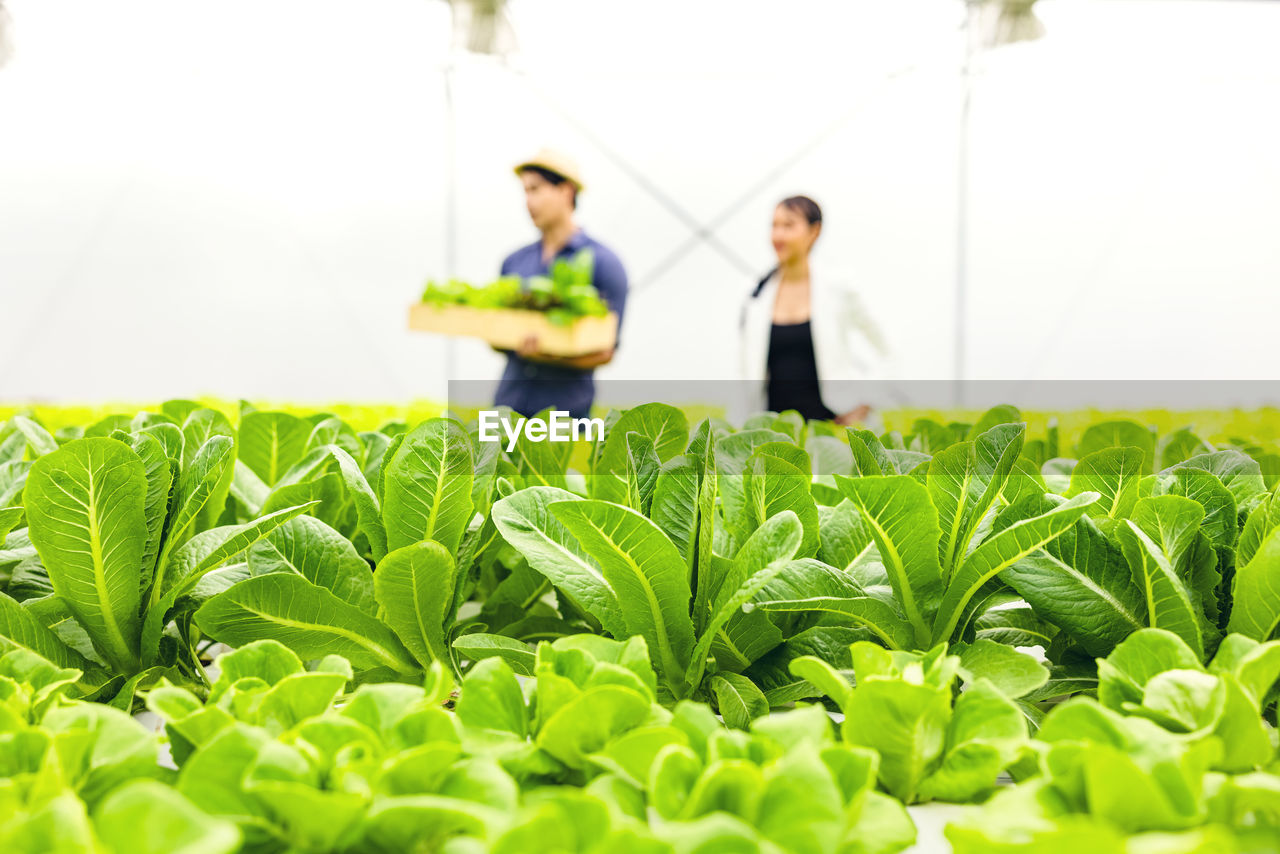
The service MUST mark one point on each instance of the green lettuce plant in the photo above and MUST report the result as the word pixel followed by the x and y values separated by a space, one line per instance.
pixel 938 558
pixel 1125 784
pixel 933 744
pixel 425 523
pixel 118 525
pixel 1154 674
pixel 273 751
pixel 78 776
pixel 299 764
pixel 566 294
pixel 787 785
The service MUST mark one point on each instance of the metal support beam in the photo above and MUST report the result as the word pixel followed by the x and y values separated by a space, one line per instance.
pixel 960 354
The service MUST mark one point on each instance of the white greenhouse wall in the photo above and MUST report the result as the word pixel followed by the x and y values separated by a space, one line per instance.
pixel 240 198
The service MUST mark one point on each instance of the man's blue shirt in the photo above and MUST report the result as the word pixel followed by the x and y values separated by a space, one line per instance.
pixel 530 387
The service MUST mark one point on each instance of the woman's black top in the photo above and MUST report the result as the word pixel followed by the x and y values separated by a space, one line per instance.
pixel 793 372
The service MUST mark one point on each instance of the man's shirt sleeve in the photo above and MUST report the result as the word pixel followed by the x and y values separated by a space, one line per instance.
pixel 611 282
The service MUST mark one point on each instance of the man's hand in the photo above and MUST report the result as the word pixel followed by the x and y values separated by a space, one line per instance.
pixel 528 350
pixel 854 416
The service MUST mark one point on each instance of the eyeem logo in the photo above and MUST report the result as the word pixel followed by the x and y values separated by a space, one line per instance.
pixel 558 428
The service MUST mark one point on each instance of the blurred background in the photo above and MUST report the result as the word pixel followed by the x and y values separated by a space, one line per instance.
pixel 241 198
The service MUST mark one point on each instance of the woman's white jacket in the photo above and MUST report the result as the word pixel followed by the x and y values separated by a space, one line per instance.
pixel 850 352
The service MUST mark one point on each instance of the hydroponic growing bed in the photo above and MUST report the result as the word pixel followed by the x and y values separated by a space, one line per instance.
pixel 684 638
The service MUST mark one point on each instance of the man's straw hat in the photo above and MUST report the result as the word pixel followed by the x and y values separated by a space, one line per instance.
pixel 554 161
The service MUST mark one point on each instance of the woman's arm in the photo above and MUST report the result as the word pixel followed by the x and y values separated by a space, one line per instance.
pixel 862 357
pixel 857 316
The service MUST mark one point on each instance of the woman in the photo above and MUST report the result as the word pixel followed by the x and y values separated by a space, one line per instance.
pixel 806 336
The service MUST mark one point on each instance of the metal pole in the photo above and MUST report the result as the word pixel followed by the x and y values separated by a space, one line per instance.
pixel 962 208
pixel 450 204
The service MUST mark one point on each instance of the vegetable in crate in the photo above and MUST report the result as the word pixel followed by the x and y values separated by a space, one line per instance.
pixel 565 295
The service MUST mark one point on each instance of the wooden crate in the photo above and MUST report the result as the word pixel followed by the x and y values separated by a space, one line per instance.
pixel 508 328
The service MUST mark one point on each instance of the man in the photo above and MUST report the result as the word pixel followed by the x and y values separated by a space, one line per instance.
pixel 534 380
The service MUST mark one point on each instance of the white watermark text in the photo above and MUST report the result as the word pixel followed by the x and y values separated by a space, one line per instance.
pixel 559 427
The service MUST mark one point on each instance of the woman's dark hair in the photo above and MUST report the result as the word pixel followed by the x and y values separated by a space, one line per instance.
pixel 804 206
pixel 555 179
pixel 808 209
